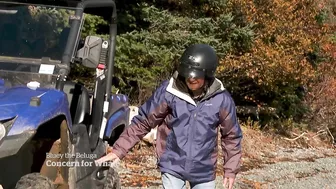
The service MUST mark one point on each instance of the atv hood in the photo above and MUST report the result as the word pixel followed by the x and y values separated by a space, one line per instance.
pixel 19 103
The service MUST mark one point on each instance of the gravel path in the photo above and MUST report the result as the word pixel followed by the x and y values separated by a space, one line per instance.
pixel 320 173
pixel 285 168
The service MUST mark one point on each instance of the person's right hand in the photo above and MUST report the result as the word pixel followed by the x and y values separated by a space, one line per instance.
pixel 108 157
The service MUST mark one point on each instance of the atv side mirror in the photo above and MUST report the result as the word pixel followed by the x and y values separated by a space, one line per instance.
pixel 90 52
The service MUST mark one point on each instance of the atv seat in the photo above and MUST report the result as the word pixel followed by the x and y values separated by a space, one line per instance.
pixel 79 102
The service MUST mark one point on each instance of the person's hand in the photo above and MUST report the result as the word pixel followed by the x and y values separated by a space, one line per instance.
pixel 231 182
pixel 108 157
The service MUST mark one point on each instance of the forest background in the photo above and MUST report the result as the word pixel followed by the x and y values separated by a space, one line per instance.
pixel 277 57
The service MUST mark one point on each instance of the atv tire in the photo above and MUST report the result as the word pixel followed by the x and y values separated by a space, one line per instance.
pixel 34 181
pixel 112 180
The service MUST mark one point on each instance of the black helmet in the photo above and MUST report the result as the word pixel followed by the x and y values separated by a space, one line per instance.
pixel 199 60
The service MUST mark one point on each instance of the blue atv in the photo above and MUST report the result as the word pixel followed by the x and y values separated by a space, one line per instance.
pixel 51 127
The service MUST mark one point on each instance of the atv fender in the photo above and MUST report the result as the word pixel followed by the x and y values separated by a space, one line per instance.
pixel 118 116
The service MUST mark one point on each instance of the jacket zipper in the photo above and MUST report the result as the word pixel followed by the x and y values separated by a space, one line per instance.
pixel 191 136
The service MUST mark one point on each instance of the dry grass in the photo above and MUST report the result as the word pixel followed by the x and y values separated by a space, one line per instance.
pixel 139 167
pixel 256 143
pixel 259 147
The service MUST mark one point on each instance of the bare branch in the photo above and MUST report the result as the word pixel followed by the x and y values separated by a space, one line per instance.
pixel 300 136
pixel 332 137
pixel 320 132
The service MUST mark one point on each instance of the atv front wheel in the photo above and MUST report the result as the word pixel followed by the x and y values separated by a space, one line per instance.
pixel 112 180
pixel 34 181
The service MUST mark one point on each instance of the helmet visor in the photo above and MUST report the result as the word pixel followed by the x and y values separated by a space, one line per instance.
pixel 188 72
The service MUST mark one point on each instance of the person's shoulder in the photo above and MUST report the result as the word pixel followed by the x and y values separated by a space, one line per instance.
pixel 161 88
pixel 226 98
pixel 163 85
pixel 165 82
pixel 226 94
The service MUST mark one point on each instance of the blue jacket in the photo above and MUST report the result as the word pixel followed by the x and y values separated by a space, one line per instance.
pixel 187 132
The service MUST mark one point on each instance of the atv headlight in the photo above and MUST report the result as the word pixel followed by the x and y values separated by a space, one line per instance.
pixel 5 126
pixel 2 131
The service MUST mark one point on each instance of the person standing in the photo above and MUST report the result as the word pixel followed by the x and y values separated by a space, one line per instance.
pixel 188 109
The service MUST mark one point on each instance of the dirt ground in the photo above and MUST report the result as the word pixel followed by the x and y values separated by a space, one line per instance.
pixel 138 169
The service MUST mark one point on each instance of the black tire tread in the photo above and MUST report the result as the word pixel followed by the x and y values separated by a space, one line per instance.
pixel 34 181
pixel 112 180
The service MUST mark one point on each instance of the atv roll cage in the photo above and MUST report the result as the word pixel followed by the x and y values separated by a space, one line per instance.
pixel 53 112
pixel 90 47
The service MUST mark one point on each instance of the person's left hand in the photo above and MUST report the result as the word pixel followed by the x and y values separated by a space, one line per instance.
pixel 231 182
